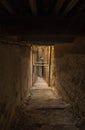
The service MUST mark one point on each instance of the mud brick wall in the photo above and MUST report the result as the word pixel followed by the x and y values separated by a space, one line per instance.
pixel 47 61
pixel 15 80
pixel 34 67
pixel 70 73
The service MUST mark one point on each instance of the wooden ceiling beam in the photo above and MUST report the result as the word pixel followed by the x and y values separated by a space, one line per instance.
pixel 33 6
pixel 7 6
pixel 69 7
pixel 59 5
pixel 42 25
pixel 81 7
pixel 2 12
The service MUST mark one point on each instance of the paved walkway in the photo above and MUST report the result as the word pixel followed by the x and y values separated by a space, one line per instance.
pixel 44 111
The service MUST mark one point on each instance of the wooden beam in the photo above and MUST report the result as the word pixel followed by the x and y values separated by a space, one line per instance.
pixel 42 25
pixel 69 7
pixel 81 7
pixel 59 5
pixel 2 12
pixel 45 4
pixel 7 6
pixel 33 6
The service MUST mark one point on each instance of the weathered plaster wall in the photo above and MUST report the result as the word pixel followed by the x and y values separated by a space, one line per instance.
pixel 34 67
pixel 52 63
pixel 47 61
pixel 15 80
pixel 70 73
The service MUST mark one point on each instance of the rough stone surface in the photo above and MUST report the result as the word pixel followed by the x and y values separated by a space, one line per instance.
pixel 70 75
pixel 15 80
pixel 46 60
pixel 67 77
pixel 44 111
pixel 34 67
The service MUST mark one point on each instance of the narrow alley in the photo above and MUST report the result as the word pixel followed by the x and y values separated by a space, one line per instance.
pixel 42 64
pixel 44 111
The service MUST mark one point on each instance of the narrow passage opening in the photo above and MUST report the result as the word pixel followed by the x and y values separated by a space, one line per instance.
pixel 41 63
pixel 44 110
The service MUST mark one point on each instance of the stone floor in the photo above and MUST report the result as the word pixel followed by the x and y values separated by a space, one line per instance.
pixel 44 111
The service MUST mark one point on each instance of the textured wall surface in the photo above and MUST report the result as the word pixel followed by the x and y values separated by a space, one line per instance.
pixel 52 71
pixel 34 67
pixel 46 73
pixel 67 76
pixel 70 74
pixel 46 67
pixel 15 80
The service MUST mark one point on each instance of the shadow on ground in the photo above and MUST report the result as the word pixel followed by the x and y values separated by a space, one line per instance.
pixel 44 111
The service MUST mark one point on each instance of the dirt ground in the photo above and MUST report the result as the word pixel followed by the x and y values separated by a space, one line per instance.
pixel 44 111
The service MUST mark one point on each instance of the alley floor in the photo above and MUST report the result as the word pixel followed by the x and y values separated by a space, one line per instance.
pixel 44 111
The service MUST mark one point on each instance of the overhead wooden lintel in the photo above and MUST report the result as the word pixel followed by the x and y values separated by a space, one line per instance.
pixel 81 7
pixel 7 6
pixel 33 6
pixel 59 5
pixel 71 4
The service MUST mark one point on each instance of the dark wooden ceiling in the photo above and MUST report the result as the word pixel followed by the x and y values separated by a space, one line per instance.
pixel 66 8
pixel 43 16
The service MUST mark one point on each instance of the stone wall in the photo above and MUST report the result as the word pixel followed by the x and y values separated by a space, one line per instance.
pixel 47 61
pixel 70 74
pixel 15 80
pixel 52 76
pixel 34 67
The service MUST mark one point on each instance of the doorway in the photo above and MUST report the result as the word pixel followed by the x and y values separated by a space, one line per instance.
pixel 41 63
